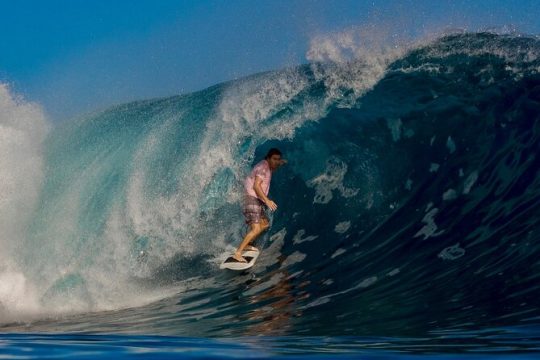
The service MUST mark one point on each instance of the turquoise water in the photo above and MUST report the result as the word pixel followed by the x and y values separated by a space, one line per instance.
pixel 407 221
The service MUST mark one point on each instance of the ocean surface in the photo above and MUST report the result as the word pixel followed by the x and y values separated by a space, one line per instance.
pixel 408 224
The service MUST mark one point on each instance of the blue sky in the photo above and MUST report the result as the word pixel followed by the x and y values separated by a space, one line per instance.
pixel 75 56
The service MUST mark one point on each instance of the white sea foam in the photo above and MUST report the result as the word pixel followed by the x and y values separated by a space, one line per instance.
pixel 359 57
pixel 299 237
pixel 469 182
pixel 294 258
pixel 338 252
pixel 23 129
pixel 430 227
pixel 331 179
pixel 394 272
pixel 452 252
pixel 342 227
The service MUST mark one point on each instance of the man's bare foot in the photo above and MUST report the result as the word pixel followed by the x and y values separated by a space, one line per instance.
pixel 238 257
pixel 250 248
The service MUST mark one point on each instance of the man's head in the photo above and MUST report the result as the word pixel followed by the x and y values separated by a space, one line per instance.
pixel 274 158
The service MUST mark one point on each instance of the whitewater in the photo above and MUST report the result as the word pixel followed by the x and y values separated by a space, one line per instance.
pixel 409 209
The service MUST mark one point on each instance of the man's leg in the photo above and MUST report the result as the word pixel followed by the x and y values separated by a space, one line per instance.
pixel 254 232
pixel 264 224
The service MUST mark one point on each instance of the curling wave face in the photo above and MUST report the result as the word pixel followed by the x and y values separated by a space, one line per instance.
pixel 410 202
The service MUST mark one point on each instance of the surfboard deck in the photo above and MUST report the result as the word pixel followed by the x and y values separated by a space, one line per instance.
pixel 231 264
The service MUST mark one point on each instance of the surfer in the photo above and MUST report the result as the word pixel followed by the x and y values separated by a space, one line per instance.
pixel 256 187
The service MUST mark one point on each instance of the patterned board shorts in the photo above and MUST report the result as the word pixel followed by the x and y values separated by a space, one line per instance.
pixel 253 210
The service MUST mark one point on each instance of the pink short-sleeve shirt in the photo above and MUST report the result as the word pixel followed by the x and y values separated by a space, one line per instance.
pixel 262 170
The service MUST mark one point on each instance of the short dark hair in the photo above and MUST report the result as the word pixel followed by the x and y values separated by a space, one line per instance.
pixel 272 152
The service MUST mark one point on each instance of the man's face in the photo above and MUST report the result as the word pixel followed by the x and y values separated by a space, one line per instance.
pixel 274 161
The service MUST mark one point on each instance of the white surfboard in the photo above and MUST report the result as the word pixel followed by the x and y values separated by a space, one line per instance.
pixel 231 264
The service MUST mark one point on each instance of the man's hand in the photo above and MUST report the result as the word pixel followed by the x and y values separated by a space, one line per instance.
pixel 271 205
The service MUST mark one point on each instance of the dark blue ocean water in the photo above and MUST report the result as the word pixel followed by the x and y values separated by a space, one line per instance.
pixel 84 346
pixel 407 227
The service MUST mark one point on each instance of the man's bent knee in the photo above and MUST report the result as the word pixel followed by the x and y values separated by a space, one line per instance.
pixel 256 228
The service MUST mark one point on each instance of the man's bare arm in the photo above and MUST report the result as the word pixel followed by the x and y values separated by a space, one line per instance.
pixel 258 190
